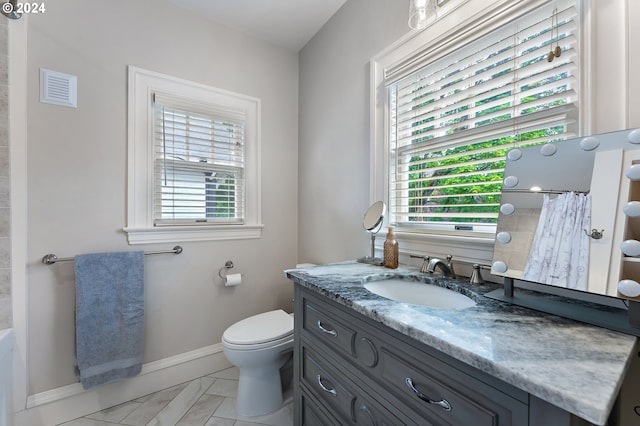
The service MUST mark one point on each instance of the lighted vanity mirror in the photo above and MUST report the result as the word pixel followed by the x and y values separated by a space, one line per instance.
pixel 570 215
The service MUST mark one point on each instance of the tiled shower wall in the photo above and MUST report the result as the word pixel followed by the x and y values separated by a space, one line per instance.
pixel 5 207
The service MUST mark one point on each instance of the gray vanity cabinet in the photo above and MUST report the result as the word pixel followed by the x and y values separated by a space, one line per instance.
pixel 351 370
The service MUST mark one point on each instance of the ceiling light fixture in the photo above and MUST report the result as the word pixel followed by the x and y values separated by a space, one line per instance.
pixel 9 9
pixel 420 12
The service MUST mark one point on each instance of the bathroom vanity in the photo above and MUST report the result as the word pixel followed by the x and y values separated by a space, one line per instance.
pixel 360 358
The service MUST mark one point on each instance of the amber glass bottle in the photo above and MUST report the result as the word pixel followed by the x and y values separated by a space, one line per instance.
pixel 391 250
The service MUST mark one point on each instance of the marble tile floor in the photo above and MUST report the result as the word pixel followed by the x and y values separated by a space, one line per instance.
pixel 207 401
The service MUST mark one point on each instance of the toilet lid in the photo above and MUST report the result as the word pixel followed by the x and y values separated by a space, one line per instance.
pixel 260 328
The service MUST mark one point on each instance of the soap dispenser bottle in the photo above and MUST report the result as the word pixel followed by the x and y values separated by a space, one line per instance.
pixel 391 250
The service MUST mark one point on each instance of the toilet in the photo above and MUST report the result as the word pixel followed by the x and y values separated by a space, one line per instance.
pixel 260 346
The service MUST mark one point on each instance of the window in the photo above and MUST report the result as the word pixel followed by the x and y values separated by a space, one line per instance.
pixel 193 161
pixel 199 163
pixel 452 118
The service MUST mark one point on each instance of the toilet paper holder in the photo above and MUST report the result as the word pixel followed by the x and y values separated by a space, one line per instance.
pixel 222 272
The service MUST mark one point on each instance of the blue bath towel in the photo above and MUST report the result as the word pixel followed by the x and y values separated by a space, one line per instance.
pixel 109 316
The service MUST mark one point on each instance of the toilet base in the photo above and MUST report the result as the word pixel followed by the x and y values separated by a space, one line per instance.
pixel 259 392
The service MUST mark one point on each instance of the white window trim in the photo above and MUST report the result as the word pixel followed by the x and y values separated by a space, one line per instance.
pixel 140 229
pixel 455 27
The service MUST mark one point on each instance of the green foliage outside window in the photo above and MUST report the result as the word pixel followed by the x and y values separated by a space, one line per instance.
pixel 442 182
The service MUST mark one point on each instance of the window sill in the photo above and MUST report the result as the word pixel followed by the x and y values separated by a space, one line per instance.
pixel 463 248
pixel 172 234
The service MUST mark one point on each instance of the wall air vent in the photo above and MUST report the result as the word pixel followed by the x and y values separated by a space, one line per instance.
pixel 58 88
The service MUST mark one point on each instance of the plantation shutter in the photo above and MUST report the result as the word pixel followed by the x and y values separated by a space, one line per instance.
pixel 453 120
pixel 198 162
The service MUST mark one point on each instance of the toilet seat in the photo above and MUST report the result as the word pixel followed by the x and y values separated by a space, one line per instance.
pixel 285 341
pixel 259 331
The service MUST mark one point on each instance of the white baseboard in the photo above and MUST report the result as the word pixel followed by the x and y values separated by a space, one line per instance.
pixel 69 402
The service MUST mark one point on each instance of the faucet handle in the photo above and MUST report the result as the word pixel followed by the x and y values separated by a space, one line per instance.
pixel 425 261
pixel 450 265
pixel 476 276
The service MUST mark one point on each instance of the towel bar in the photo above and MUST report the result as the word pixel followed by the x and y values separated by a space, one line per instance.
pixel 50 259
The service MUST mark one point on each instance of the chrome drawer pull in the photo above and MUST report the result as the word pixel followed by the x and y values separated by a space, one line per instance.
pixel 326 389
pixel 443 403
pixel 324 330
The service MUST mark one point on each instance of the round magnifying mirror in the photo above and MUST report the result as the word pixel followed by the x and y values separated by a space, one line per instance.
pixel 374 216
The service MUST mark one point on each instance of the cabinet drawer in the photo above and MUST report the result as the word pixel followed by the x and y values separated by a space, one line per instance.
pixel 433 397
pixel 314 415
pixel 345 399
pixel 328 330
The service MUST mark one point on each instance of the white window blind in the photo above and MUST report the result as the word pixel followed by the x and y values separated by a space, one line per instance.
pixel 452 122
pixel 198 163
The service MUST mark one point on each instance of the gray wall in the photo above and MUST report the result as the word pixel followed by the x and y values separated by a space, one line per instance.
pixel 334 163
pixel 5 205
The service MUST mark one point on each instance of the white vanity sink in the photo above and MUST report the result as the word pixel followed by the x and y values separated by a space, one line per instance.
pixel 418 293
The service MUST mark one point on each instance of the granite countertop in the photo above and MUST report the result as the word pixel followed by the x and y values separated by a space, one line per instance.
pixel 572 365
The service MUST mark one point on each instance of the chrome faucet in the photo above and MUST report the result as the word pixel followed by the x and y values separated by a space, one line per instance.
pixel 442 265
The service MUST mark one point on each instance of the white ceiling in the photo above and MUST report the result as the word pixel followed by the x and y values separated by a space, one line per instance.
pixel 286 23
